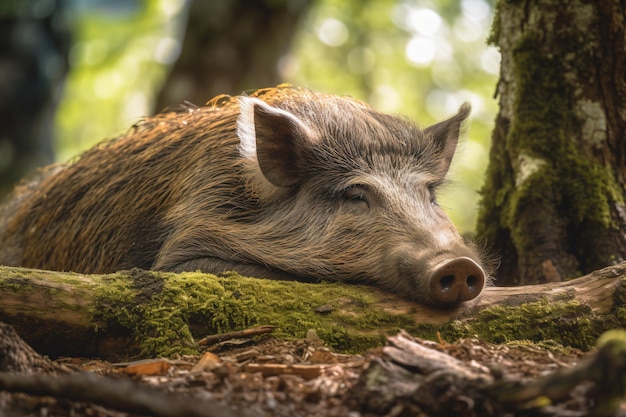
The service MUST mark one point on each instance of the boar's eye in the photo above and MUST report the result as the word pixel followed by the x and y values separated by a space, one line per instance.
pixel 432 193
pixel 356 194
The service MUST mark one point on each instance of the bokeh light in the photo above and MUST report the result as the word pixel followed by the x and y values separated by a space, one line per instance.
pixel 333 32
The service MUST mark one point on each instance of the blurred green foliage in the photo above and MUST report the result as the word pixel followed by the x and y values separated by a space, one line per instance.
pixel 419 58
pixel 118 62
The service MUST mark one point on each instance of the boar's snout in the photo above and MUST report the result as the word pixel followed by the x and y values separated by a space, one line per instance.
pixel 440 278
pixel 456 280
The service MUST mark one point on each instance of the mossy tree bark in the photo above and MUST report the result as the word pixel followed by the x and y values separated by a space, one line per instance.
pixel 230 47
pixel 553 200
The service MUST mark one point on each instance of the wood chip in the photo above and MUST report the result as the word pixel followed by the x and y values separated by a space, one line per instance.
pixel 148 367
pixel 207 362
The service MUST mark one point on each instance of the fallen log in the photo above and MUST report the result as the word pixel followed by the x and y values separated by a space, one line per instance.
pixel 146 313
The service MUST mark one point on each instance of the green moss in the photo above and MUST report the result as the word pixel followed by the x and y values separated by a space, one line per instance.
pixel 499 185
pixel 542 98
pixel 551 345
pixel 620 314
pixel 114 301
pixel 551 324
pixel 567 323
pixel 494 34
pixel 192 305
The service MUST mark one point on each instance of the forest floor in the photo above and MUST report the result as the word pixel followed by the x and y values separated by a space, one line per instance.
pixel 264 376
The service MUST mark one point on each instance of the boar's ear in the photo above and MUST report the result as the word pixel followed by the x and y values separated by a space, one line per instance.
pixel 274 138
pixel 445 136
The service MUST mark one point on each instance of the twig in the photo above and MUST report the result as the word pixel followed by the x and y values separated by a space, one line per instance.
pixel 217 338
pixel 273 369
pixel 118 394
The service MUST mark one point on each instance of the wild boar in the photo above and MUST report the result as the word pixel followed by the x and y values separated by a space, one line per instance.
pixel 281 183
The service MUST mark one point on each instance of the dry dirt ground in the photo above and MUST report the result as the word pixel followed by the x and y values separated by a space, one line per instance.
pixel 262 376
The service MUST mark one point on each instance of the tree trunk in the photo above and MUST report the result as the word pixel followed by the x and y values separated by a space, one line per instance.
pixel 34 48
pixel 230 47
pixel 161 314
pixel 553 200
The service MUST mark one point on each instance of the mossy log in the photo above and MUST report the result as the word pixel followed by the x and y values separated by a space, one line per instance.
pixel 145 313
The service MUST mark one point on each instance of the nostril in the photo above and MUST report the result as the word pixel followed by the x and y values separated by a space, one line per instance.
pixel 446 283
pixel 473 281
